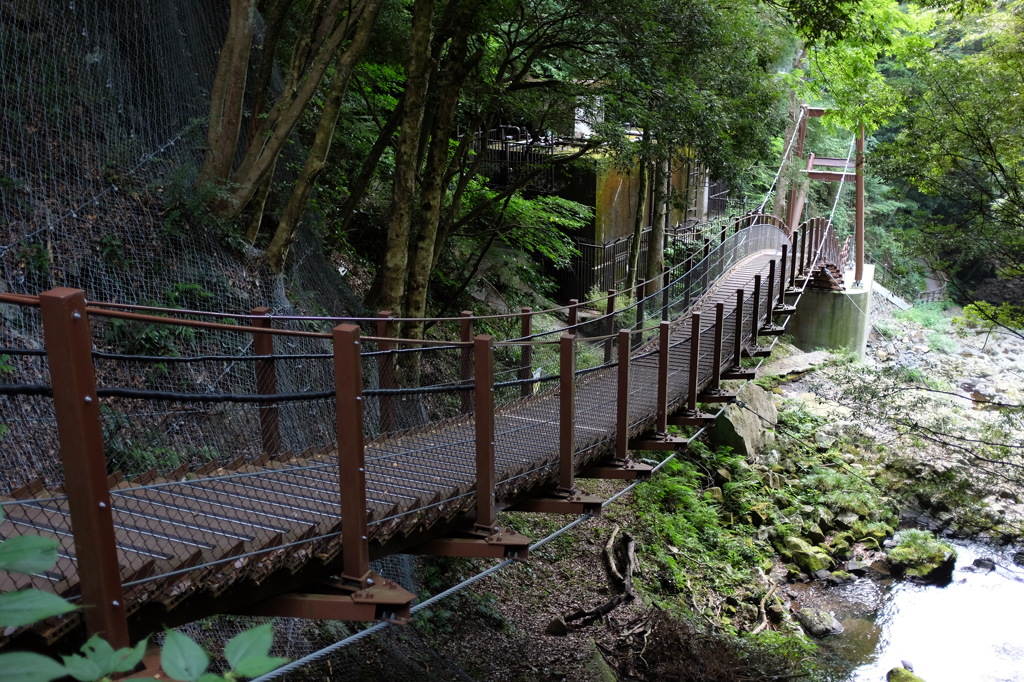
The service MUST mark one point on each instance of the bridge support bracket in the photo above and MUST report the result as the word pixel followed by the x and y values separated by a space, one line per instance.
pixel 503 543
pixel 574 503
pixel 737 372
pixel 771 330
pixel 716 396
pixel 619 469
pixel 658 441
pixel 758 352
pixel 691 418
pixel 785 309
pixel 380 600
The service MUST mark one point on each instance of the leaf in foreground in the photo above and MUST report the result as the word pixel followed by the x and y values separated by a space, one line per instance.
pixel 182 658
pixel 28 554
pixel 24 666
pixel 30 606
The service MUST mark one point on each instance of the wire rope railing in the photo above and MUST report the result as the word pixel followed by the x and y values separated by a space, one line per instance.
pixel 345 438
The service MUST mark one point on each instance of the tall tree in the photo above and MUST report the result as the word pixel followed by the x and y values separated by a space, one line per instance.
pixel 328 39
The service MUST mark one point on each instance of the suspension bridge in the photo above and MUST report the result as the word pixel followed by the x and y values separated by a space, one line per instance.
pixel 333 448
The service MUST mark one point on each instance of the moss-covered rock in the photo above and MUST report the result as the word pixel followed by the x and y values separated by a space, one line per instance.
pixel 819 623
pixel 805 555
pixel 901 675
pixel 814 534
pixel 920 555
pixel 874 530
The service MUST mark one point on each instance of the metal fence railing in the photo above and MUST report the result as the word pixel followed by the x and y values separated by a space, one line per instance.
pixel 151 469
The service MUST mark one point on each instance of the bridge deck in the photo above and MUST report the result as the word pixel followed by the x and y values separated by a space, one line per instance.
pixel 232 529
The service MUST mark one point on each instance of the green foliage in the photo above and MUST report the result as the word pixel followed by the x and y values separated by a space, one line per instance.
pixel 687 527
pixel 928 315
pixel 919 552
pixel 134 449
pixel 152 338
pixel 247 654
pixel 957 151
pixel 983 316
pixel 443 618
pixel 33 258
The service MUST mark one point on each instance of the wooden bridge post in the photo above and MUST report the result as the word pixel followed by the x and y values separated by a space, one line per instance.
pixel 566 413
pixel 803 248
pixel 574 313
pixel 610 313
pixel 736 370
pixel 348 405
pixel 687 281
pixel 526 353
pixel 755 320
pixel 716 357
pixel 794 266
pixel 782 276
pixel 770 298
pixel 466 365
pixel 639 324
pixel 622 398
pixel 386 371
pixel 661 427
pixel 483 395
pixel 76 406
pixel 691 390
pixel 266 382
pixel 737 343
pixel 666 284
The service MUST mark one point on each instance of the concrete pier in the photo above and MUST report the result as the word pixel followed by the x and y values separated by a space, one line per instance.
pixel 835 319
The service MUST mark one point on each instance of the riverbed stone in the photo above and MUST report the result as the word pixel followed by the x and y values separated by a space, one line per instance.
pixel 818 623
pixel 923 558
pixel 846 520
pixel 745 429
pixel 856 567
pixel 805 555
pixel 901 674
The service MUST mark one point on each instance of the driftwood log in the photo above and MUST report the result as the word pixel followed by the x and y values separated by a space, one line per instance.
pixel 618 554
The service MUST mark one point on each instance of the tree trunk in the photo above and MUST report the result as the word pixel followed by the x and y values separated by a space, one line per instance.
pixel 391 295
pixel 656 245
pixel 435 174
pixel 227 94
pixel 258 203
pixel 316 159
pixel 358 187
pixel 275 129
pixel 638 224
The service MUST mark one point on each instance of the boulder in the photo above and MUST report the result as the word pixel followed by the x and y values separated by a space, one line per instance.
pixel 795 364
pixel 809 558
pixel 921 556
pixel 846 520
pixel 819 623
pixel 814 534
pixel 744 429
pixel 855 567
pixel 558 627
pixel 901 674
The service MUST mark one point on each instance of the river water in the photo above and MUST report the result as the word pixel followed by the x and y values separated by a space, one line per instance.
pixel 968 631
